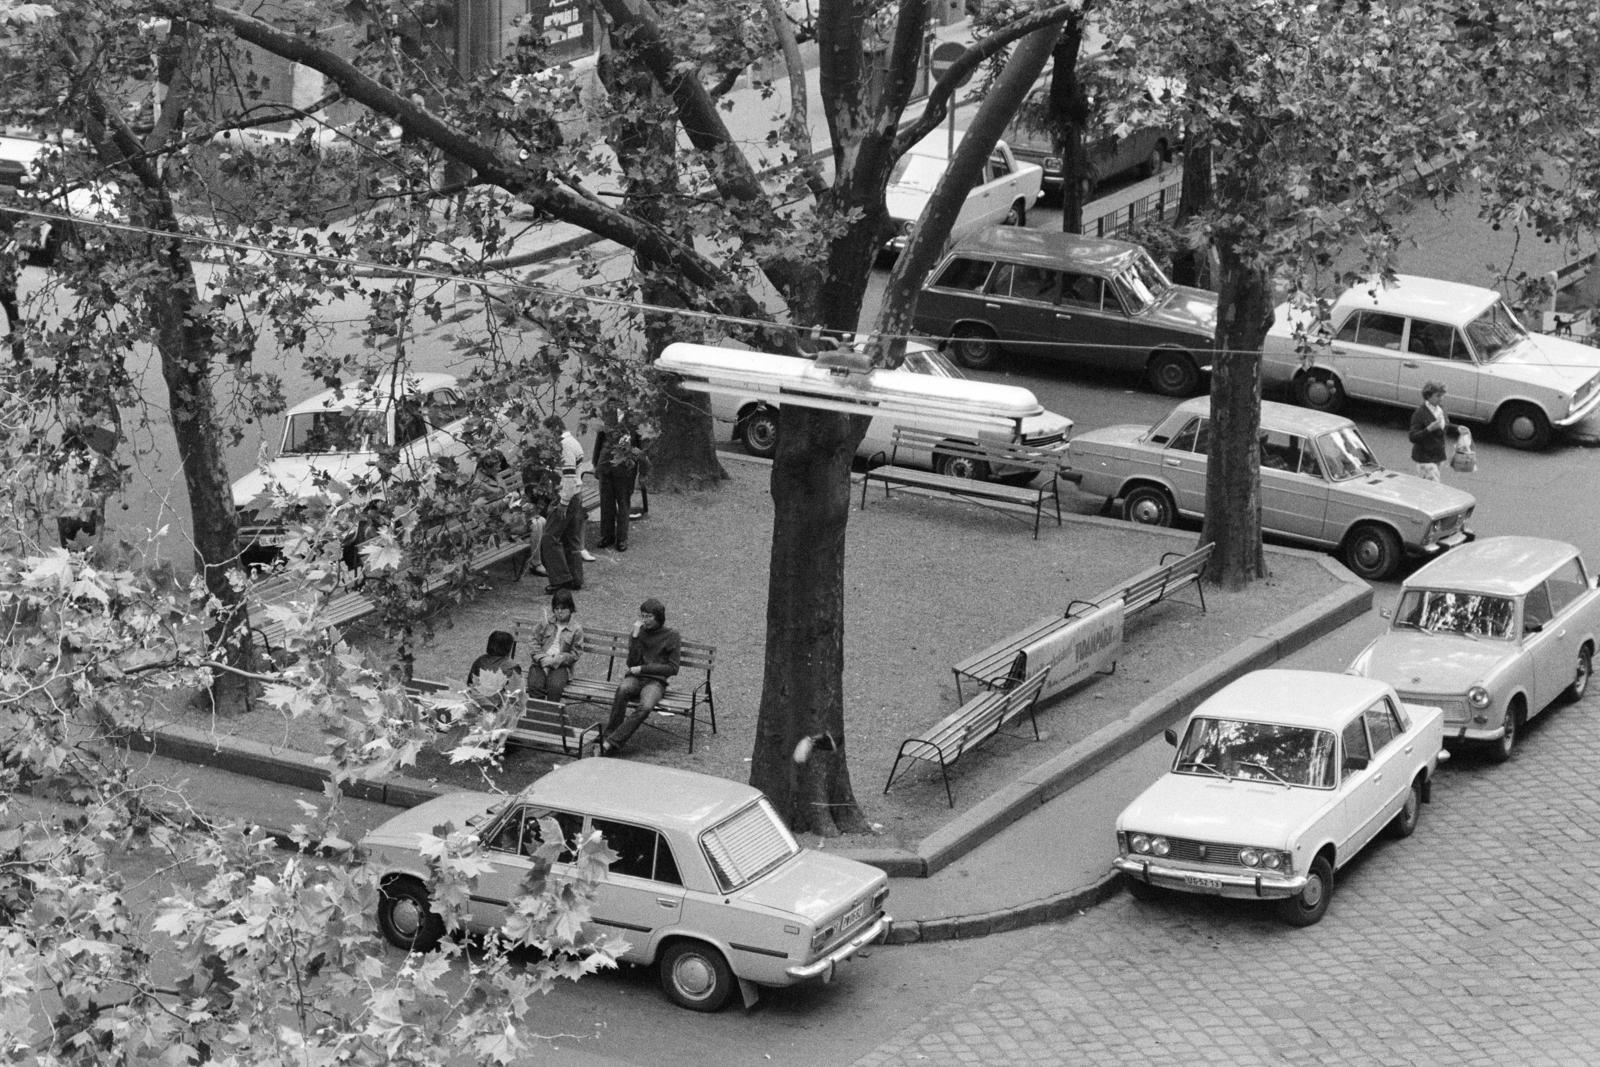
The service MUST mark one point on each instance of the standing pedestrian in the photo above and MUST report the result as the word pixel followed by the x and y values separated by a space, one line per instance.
pixel 1429 427
pixel 616 463
pixel 574 466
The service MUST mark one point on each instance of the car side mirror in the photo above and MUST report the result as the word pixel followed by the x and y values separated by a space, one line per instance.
pixel 1532 627
pixel 1171 735
pixel 1356 763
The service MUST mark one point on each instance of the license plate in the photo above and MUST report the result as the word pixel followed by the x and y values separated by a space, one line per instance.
pixel 1200 881
pixel 275 540
pixel 853 916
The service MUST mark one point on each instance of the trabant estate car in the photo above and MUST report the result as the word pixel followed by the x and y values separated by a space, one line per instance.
pixel 1320 484
pixel 1089 300
pixel 1001 196
pixel 335 436
pixel 1280 779
pixel 1493 633
pixel 708 884
pixel 747 390
pixel 755 421
pixel 1383 343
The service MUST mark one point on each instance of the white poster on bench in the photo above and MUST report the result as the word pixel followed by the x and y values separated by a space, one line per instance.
pixel 1080 646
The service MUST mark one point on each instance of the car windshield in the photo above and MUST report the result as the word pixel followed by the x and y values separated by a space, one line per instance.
pixel 1345 455
pixel 1257 751
pixel 1495 332
pixel 1438 611
pixel 918 172
pixel 1143 282
pixel 927 361
pixel 314 432
pixel 747 845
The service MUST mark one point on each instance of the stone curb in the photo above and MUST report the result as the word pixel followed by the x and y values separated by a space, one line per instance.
pixel 943 846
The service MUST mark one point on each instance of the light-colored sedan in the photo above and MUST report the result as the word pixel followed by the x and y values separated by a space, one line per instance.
pixel 1001 196
pixel 333 439
pixel 1320 484
pixel 1493 633
pixel 1280 779
pixel 1383 343
pixel 709 886
pixel 755 424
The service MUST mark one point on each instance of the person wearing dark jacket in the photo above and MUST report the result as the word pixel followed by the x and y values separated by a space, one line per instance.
pixel 616 466
pixel 653 653
pixel 1429 427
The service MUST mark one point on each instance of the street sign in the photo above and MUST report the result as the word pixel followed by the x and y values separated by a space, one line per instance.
pixel 944 57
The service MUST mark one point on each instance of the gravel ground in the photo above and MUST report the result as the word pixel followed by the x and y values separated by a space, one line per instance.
pixel 928 582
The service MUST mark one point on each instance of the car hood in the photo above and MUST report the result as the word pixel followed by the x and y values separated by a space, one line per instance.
pixel 814 885
pixel 1126 434
pixel 1229 812
pixel 1433 663
pixel 1186 308
pixel 403 830
pixel 1551 362
pixel 1409 491
pixel 905 202
pixel 296 475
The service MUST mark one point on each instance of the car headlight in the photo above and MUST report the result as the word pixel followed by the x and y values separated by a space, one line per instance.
pixel 1149 845
pixel 1270 859
pixel 1478 697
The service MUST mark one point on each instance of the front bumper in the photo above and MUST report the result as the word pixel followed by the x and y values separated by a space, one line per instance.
pixel 823 968
pixel 1240 886
pixel 1579 413
pixel 1455 540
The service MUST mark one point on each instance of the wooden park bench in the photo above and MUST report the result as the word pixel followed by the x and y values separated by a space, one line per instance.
pixel 982 457
pixel 994 666
pixel 979 719
pixel 546 724
pixel 685 698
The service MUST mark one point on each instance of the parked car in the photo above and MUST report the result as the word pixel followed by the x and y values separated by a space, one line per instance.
pixel 755 423
pixel 1382 342
pixel 1145 149
pixel 334 438
pixel 1002 196
pixel 1493 633
pixel 21 163
pixel 1320 484
pixel 1089 300
pixel 708 886
pixel 1280 779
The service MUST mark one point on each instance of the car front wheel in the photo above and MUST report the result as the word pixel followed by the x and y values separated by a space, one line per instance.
pixel 1148 506
pixel 1319 391
pixel 1510 727
pixel 1406 819
pixel 1174 374
pixel 1522 426
pixel 1372 552
pixel 975 347
pixel 761 433
pixel 406 917
pixel 1580 678
pixel 960 467
pixel 695 976
pixel 1307 907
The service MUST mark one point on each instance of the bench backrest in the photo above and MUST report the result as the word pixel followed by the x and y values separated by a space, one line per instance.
pixel 994 453
pixel 542 713
pixel 613 644
pixel 993 710
pixel 1152 585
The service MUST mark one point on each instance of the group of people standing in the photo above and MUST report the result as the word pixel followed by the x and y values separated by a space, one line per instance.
pixel 616 463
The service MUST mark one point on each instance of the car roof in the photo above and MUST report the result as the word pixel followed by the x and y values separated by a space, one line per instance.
pixel 1276 416
pixel 356 395
pixel 1317 699
pixel 1495 566
pixel 641 792
pixel 1048 248
pixel 1454 303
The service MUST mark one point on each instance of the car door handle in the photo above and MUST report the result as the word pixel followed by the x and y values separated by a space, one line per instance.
pixel 1377 777
pixel 1173 462
pixel 989 305
pixel 666 902
pixel 1062 316
pixel 1409 365
pixel 1409 748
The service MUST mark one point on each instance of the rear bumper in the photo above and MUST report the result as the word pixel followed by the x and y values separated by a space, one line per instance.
pixel 824 967
pixel 1240 886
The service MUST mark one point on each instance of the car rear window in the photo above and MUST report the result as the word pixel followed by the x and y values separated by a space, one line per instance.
pixel 747 845
pixel 965 274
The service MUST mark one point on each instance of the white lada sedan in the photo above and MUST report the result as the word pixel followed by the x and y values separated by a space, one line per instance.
pixel 1280 779
pixel 1493 636
pixel 708 886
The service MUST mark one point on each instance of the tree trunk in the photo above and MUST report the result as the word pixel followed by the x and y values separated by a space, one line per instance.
pixel 1233 475
pixel 1069 114
pixel 1189 263
pixel 802 690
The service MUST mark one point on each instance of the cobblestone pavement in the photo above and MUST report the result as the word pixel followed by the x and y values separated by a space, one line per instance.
pixel 1475 942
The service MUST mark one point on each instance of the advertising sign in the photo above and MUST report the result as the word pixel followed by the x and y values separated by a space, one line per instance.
pixel 566 26
pixel 1081 646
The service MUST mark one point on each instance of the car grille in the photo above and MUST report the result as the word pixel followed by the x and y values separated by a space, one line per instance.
pixel 1455 707
pixel 1043 440
pixel 1203 852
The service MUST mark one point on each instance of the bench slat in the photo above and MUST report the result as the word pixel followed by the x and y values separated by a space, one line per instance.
pixel 969 726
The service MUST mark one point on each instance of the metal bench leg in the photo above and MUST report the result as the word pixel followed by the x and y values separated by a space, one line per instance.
pixel 1200 588
pixel 945 771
